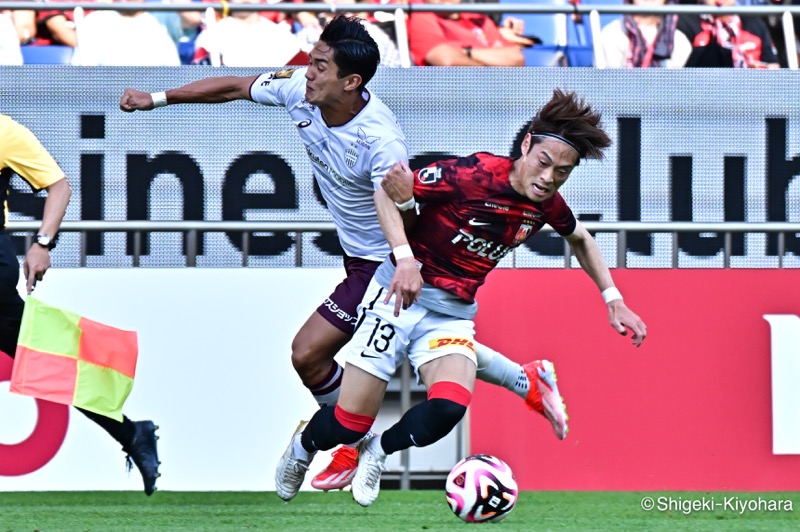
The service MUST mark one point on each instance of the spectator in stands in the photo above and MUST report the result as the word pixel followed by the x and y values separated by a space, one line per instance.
pixel 24 21
pixel 390 56
pixel 643 41
pixel 464 39
pixel 247 39
pixel 9 42
pixel 55 27
pixel 182 26
pixel 124 38
pixel 497 18
pixel 728 40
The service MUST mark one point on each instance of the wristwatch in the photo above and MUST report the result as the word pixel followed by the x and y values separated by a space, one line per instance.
pixel 45 241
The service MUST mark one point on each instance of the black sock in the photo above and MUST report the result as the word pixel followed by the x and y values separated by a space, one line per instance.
pixel 423 425
pixel 122 432
pixel 325 432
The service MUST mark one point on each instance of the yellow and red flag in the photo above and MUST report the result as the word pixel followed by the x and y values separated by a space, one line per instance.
pixel 65 358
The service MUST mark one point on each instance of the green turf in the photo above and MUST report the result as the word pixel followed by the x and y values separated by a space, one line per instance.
pixel 394 510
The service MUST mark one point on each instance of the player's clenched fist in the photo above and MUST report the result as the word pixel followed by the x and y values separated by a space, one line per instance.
pixel 135 100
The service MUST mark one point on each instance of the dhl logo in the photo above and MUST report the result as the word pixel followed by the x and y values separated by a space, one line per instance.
pixel 438 343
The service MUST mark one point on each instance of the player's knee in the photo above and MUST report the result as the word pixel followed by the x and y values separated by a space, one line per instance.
pixel 447 404
pixel 448 413
pixel 437 420
pixel 308 360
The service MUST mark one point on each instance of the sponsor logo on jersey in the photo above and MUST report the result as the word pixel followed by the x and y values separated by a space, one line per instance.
pixel 523 233
pixel 473 221
pixel 430 175
pixel 365 140
pixel 364 354
pixel 286 73
pixel 496 206
pixel 481 246
pixel 339 178
pixel 304 123
pixel 438 343
pixel 532 214
pixel 350 157
pixel 265 83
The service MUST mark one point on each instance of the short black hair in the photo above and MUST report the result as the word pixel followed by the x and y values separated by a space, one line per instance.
pixel 354 50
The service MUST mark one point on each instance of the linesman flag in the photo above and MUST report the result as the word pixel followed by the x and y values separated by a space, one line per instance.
pixel 65 358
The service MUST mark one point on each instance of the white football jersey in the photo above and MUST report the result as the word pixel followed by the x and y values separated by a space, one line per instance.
pixel 349 161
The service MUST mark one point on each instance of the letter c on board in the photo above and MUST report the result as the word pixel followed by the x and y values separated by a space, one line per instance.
pixel 44 442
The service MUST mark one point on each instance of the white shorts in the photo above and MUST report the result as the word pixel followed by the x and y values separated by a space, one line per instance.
pixel 382 340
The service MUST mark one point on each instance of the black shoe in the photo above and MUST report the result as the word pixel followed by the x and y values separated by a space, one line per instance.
pixel 142 452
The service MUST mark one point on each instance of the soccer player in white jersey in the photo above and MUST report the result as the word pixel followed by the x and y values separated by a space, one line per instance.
pixel 352 139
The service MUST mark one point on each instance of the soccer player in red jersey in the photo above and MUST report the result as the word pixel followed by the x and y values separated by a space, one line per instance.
pixel 474 210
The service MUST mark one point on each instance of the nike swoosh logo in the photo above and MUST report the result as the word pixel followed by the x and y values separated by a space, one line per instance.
pixel 365 355
pixel 473 221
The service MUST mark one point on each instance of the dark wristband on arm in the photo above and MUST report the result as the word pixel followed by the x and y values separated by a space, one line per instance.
pixel 468 51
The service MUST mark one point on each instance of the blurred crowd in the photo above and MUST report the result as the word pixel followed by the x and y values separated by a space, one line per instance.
pixel 268 38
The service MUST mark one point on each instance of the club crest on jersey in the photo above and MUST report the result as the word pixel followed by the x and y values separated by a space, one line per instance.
pixel 286 73
pixel 365 140
pixel 350 157
pixel 430 175
pixel 523 233
pixel 307 106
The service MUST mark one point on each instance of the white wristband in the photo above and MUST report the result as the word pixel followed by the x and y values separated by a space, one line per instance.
pixel 159 99
pixel 402 252
pixel 407 205
pixel 611 294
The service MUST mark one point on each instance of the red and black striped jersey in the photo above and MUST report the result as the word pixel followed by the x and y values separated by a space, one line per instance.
pixel 471 217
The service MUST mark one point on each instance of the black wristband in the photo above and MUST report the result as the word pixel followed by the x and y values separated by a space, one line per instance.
pixel 468 51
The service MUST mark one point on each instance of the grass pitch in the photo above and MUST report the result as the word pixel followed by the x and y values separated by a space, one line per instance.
pixel 394 510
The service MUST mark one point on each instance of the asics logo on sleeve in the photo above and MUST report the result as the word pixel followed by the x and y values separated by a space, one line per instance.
pixel 473 221
pixel 304 123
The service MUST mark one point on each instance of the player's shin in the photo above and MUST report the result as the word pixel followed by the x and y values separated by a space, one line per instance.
pixel 331 426
pixel 326 392
pixel 430 421
pixel 495 368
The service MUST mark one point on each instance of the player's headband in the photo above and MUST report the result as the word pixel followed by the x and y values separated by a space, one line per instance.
pixel 558 137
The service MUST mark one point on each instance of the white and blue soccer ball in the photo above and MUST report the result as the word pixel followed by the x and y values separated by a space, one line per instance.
pixel 481 488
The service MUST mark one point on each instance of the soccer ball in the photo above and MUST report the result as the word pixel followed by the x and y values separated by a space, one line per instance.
pixel 481 488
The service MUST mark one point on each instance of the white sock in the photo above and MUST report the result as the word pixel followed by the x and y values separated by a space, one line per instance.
pixel 326 392
pixel 494 368
pixel 376 447
pixel 299 452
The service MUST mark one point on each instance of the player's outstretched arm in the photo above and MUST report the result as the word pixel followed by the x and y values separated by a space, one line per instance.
pixel 621 318
pixel 208 90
